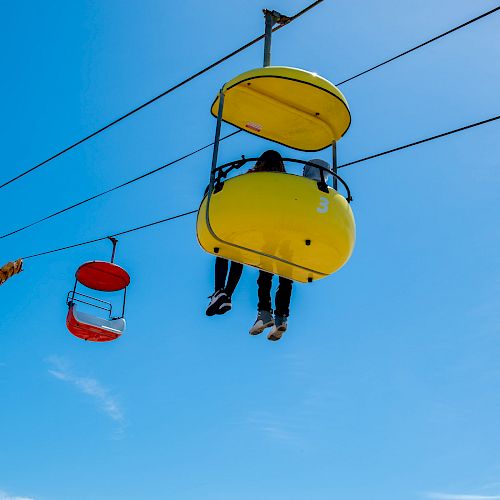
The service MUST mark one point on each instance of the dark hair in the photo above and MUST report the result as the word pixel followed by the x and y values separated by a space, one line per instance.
pixel 269 161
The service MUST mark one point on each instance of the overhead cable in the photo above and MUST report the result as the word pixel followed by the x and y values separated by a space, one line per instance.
pixel 156 98
pixel 185 214
pixel 110 190
pixel 456 28
pixel 95 240
pixel 225 58
pixel 416 143
pixel 146 174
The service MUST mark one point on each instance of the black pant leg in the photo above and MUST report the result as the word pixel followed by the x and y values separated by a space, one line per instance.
pixel 264 284
pixel 283 296
pixel 234 277
pixel 220 273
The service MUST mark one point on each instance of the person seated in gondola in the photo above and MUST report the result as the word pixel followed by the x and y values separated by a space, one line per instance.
pixel 265 319
pixel 220 300
pixel 314 173
pixel 271 161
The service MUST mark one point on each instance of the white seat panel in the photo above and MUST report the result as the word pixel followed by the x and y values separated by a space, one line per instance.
pixel 114 325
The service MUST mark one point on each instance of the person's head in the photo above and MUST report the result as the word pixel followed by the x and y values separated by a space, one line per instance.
pixel 314 173
pixel 269 161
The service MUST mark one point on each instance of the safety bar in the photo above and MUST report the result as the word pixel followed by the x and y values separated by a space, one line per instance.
pixel 71 298
pixel 222 171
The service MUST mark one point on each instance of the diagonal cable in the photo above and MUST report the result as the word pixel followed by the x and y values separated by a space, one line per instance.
pixel 178 216
pixel 156 98
pixel 416 143
pixel 102 238
pixel 456 28
pixel 186 156
pixel 119 186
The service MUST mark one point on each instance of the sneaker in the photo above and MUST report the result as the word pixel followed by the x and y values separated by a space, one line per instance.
pixel 220 303
pixel 279 328
pixel 264 320
pixel 225 305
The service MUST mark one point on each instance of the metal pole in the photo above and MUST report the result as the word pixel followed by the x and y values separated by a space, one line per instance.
pixel 272 17
pixel 114 241
pixel 214 159
pixel 72 293
pixel 124 300
pixel 334 164
pixel 270 20
pixel 215 153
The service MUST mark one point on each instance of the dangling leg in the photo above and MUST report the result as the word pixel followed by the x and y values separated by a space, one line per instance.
pixel 219 296
pixel 221 266
pixel 265 314
pixel 283 296
pixel 232 280
pixel 234 277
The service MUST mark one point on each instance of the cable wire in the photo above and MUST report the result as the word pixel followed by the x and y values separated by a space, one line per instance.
pixel 107 191
pixel 156 98
pixel 95 240
pixel 366 158
pixel 416 143
pixel 146 174
pixel 467 23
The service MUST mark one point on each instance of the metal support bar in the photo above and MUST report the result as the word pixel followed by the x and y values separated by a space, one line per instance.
pixel 124 300
pixel 334 164
pixel 270 20
pixel 215 153
pixel 223 170
pixel 272 17
pixel 76 297
pixel 114 241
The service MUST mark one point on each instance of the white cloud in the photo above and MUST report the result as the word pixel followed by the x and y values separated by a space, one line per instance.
pixel 490 486
pixel 89 386
pixel 277 432
pixel 452 496
pixel 275 428
pixel 7 496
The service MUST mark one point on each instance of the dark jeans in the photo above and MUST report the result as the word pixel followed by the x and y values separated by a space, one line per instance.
pixel 235 271
pixel 283 294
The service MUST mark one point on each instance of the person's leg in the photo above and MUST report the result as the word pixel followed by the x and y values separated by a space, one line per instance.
pixel 283 295
pixel 220 273
pixel 219 297
pixel 265 314
pixel 264 284
pixel 234 277
pixel 224 301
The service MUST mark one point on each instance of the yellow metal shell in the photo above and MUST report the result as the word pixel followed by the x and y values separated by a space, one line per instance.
pixel 280 223
pixel 289 106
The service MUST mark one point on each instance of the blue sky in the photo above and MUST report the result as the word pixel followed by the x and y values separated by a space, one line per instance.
pixel 385 385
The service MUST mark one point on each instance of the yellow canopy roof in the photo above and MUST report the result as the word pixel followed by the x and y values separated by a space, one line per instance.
pixel 289 106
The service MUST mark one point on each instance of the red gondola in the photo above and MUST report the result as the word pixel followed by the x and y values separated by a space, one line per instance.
pixel 105 277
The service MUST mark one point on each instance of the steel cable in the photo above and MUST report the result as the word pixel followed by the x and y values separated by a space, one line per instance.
pixel 146 174
pixel 156 98
pixel 178 216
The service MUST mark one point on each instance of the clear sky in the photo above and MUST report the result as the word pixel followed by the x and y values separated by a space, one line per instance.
pixel 386 385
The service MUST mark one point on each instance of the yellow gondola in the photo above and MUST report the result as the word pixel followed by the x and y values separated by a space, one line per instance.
pixel 282 223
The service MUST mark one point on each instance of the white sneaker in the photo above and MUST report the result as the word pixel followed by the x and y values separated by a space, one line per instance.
pixel 264 320
pixel 278 329
pixel 218 301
